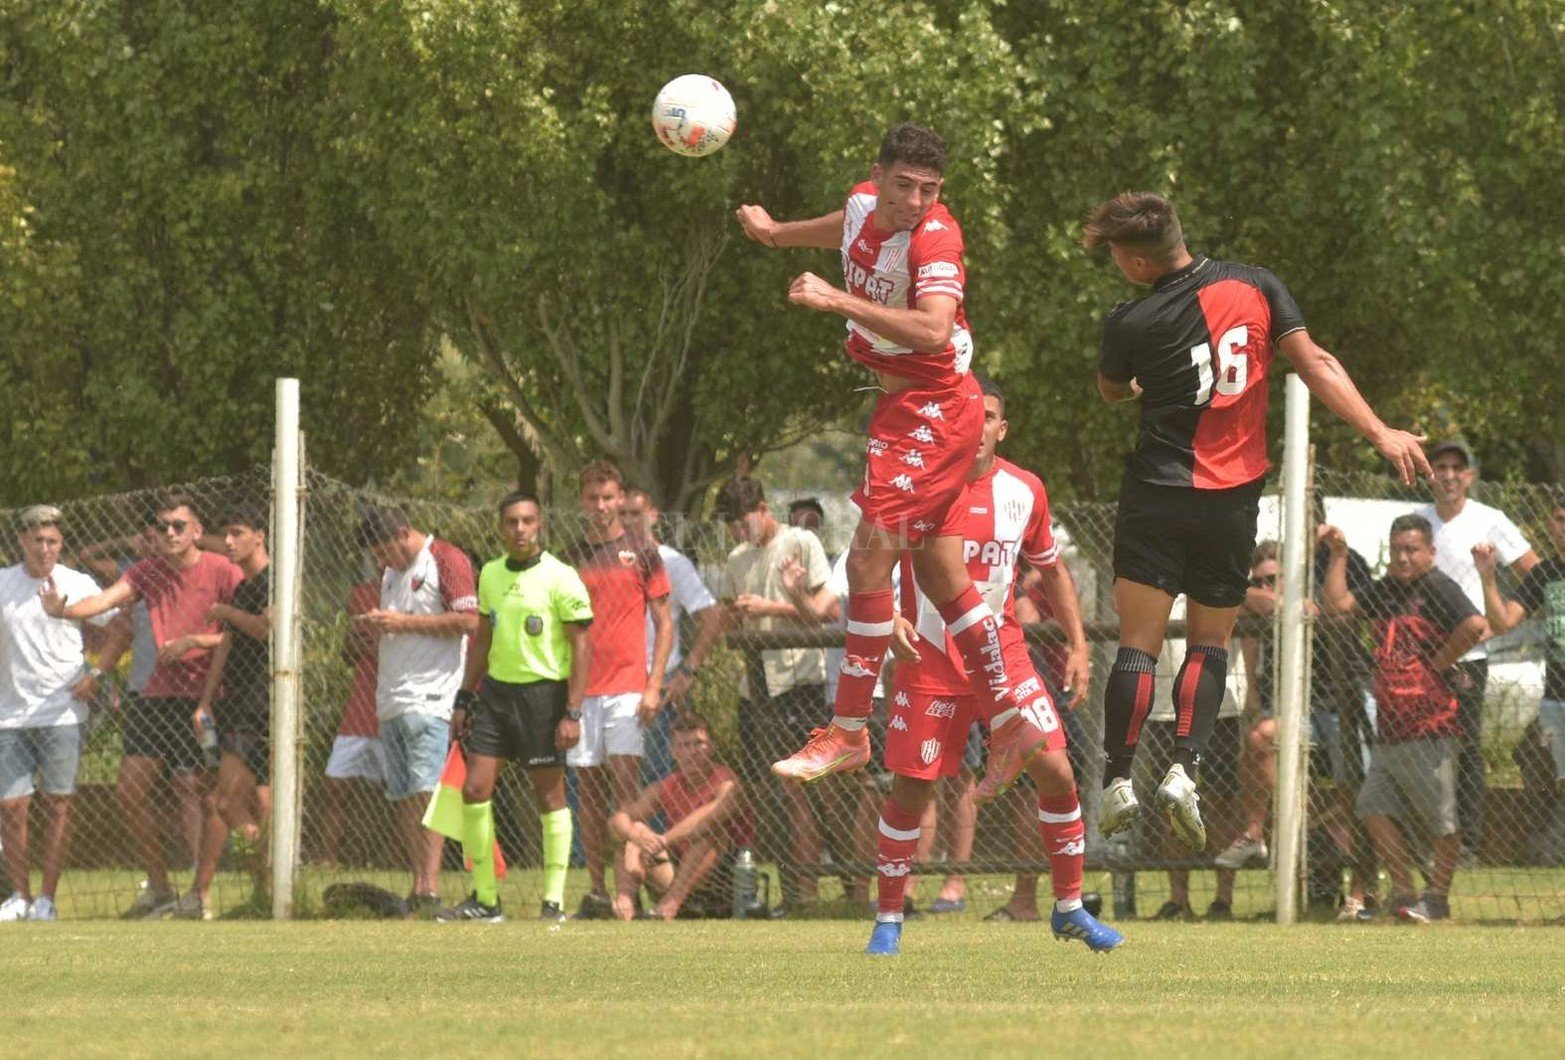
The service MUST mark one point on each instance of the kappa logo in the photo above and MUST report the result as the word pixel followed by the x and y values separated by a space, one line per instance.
pixel 913 458
pixel 922 433
pixel 876 447
pixel 899 723
pixel 894 869
pixel 934 225
pixel 941 708
pixel 931 411
pixel 903 483
pixel 902 701
pixel 627 557
pixel 923 526
pixel 852 666
pixel 929 750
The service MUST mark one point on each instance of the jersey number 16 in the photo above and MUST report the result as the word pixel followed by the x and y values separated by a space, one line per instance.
pixel 1233 367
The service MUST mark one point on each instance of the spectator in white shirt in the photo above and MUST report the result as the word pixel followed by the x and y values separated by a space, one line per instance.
pixel 45 687
pixel 1459 523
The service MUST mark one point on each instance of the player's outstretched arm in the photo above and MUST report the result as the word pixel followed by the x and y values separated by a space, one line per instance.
pixel 1329 381
pixel 925 328
pixel 824 232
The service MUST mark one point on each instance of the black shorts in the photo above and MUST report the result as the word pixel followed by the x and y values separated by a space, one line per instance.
pixel 1219 764
pixel 1181 540
pixel 517 722
pixel 252 747
pixel 160 728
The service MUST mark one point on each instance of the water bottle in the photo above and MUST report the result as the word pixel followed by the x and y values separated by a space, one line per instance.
pixel 208 740
pixel 1124 882
pixel 747 872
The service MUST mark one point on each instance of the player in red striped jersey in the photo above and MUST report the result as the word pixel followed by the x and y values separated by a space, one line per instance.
pixel 1197 351
pixel 905 286
pixel 1005 517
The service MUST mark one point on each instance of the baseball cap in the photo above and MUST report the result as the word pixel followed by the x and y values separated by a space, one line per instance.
pixel 40 515
pixel 1460 448
pixel 739 497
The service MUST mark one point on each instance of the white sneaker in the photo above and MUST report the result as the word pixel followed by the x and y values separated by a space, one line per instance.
pixel 43 909
pixel 1243 853
pixel 1177 798
pixel 1117 807
pixel 14 908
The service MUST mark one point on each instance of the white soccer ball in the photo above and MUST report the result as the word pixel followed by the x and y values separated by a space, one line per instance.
pixel 693 115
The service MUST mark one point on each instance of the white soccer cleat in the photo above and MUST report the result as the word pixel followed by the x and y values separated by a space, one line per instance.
pixel 1177 798
pixel 43 909
pixel 1117 807
pixel 14 908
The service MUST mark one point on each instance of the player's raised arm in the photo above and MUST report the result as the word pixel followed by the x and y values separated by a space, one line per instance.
pixel 1329 381
pixel 824 232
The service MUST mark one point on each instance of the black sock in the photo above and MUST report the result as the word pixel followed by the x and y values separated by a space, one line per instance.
pixel 1198 697
pixel 1126 699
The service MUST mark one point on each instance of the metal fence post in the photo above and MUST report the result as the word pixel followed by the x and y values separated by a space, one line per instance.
pixel 286 545
pixel 1291 643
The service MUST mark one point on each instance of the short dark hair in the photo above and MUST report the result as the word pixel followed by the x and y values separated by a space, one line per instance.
pixel 1140 221
pixel 597 472
pixel 518 497
pixel 167 502
pixel 990 388
pixel 691 721
pixel 648 494
pixel 807 504
pixel 381 523
pixel 913 145
pixel 1413 522
pixel 739 497
pixel 245 515
pixel 1266 550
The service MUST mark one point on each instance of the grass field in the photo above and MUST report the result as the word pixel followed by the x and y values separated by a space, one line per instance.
pixel 961 988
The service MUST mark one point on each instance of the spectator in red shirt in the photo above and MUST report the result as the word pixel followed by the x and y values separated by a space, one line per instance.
pixel 626 582
pixel 179 588
pixel 356 753
pixel 688 865
pixel 1423 623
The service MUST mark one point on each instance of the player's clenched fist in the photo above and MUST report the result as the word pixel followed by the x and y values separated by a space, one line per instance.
pixel 757 224
pixel 812 292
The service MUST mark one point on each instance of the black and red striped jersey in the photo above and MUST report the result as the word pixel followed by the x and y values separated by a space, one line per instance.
pixel 1200 345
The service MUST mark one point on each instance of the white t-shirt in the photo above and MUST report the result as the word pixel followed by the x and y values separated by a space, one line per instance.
pixel 419 672
pixel 1454 541
pixel 689 596
pixel 41 657
pixel 757 570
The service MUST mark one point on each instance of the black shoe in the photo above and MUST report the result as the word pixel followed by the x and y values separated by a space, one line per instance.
pixel 423 906
pixel 551 912
pixel 1172 910
pixel 472 910
pixel 595 906
pixel 1219 910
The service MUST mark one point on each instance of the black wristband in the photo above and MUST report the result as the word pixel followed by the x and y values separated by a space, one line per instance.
pixel 465 699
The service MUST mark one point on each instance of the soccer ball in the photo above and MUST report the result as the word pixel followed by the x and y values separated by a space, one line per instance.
pixel 693 115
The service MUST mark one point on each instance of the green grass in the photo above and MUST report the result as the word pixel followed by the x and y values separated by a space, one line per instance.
pixel 963 988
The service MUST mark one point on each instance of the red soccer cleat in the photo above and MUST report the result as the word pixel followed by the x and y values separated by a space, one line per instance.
pixel 1011 747
pixel 830 750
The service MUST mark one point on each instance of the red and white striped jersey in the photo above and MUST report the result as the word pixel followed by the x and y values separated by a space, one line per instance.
pixel 1007 517
pixel 896 269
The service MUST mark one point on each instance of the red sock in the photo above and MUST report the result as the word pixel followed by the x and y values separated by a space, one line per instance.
pixel 894 855
pixel 1065 842
pixel 869 635
pixel 977 635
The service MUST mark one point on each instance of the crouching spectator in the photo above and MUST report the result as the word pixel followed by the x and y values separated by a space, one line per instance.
pixel 688 865
pixel 1423 624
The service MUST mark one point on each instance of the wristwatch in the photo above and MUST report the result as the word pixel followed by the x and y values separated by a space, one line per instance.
pixel 572 713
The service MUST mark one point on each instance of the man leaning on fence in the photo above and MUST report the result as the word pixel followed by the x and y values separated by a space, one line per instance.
pixel 179 587
pixel 428 608
pixel 1423 624
pixel 45 687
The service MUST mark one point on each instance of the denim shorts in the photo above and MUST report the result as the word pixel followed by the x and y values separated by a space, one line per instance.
pixel 50 753
pixel 1551 719
pixel 415 746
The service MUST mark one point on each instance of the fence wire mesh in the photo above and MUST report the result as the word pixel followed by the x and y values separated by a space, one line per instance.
pixel 144 801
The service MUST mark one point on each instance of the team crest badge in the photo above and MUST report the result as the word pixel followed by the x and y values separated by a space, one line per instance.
pixel 929 750
pixel 418 583
pixel 533 625
pixel 627 557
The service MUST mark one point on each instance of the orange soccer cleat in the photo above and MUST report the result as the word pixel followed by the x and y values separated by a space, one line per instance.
pixel 1011 747
pixel 829 750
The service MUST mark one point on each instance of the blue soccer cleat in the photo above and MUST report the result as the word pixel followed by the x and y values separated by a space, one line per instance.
pixel 885 940
pixel 1082 925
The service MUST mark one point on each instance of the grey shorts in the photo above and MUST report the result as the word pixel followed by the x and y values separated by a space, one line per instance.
pixel 50 754
pixel 1415 782
pixel 1551 718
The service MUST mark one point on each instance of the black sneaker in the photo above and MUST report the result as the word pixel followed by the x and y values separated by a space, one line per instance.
pixel 472 910
pixel 551 912
pixel 1172 910
pixel 423 906
pixel 595 906
pixel 1219 910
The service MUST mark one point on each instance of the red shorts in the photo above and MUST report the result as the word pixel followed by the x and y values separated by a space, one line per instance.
pixel 927 734
pixel 922 443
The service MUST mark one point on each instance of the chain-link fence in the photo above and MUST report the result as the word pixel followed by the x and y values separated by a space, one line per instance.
pixel 142 795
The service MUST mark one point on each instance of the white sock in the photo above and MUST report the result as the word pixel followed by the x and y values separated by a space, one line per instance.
pixel 848 724
pixel 1068 905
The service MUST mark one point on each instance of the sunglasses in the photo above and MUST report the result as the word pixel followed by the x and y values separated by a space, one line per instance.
pixel 176 525
pixel 1265 581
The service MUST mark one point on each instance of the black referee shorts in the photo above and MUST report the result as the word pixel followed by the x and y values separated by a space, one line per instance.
pixel 1182 540
pixel 517 722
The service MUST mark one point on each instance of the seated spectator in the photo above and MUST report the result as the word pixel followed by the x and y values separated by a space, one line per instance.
pixel 688 865
pixel 1542 592
pixel 45 686
pixel 1423 625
